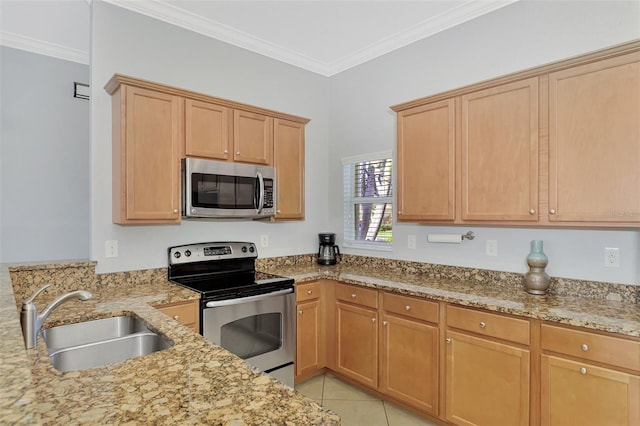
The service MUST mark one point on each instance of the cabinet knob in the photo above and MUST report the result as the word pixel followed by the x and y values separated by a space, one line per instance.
pixel 385 323
pixel 373 320
pixel 584 347
pixel 353 295
pixel 278 211
pixel 176 317
pixel 532 211
pixel 407 308
pixel 448 340
pixel 300 312
pixel 238 153
pixel 175 210
pixel 583 370
pixel 552 211
pixel 483 324
pixel 309 292
pixel 226 151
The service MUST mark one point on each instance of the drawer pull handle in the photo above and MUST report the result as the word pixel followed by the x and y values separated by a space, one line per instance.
pixel 353 295
pixel 583 370
pixel 482 324
pixel 385 323
pixel 309 292
pixel 448 340
pixel 585 347
pixel 407 308
pixel 176 317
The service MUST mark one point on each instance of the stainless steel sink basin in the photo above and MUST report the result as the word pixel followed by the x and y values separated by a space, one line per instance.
pixel 81 333
pixel 99 354
pixel 101 342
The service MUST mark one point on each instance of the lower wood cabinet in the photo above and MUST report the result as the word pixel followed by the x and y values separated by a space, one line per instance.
pixel 310 340
pixel 357 343
pixel 487 380
pixel 186 313
pixel 588 378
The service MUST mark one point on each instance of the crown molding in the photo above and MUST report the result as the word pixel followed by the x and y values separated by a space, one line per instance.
pixel 176 16
pixel 42 47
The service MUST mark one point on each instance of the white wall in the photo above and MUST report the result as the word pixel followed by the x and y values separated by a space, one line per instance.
pixel 127 43
pixel 522 35
pixel 44 159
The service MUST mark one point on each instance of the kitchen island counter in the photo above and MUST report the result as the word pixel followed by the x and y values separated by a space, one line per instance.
pixel 192 382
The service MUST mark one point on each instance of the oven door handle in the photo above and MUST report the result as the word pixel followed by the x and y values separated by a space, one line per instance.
pixel 237 301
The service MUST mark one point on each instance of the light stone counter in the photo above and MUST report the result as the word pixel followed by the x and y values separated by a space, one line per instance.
pixel 193 382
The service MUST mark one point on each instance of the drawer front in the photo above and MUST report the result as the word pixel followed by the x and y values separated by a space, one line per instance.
pixel 358 295
pixel 413 307
pixel 184 313
pixel 307 291
pixel 492 325
pixel 590 346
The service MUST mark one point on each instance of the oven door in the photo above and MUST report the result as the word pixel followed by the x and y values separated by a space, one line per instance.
pixel 259 329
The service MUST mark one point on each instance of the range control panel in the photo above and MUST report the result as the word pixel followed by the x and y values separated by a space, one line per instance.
pixel 202 252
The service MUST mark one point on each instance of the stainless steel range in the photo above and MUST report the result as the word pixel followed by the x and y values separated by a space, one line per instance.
pixel 247 312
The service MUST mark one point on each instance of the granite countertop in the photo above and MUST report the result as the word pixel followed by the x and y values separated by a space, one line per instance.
pixel 593 313
pixel 193 382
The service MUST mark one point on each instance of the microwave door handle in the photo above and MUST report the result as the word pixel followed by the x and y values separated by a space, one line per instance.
pixel 260 200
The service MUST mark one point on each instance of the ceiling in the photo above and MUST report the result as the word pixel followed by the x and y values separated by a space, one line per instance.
pixel 325 37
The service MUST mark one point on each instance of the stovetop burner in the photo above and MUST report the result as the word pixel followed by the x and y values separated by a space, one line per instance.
pixel 221 270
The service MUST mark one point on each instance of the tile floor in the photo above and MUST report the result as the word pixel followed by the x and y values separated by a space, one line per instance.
pixel 355 406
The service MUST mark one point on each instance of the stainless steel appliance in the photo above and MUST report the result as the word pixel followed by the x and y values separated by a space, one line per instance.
pixel 220 189
pixel 247 312
pixel 328 251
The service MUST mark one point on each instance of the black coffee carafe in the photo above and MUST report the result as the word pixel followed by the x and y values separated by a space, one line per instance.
pixel 328 252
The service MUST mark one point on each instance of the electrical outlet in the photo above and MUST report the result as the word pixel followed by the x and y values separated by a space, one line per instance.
pixel 111 248
pixel 411 242
pixel 264 240
pixel 492 248
pixel 612 257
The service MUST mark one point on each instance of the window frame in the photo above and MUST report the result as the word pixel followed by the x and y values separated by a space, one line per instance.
pixel 350 201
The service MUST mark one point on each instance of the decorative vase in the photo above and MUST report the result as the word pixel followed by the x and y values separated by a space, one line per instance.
pixel 536 281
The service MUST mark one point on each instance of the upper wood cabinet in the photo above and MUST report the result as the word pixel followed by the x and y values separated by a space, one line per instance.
pixel 558 145
pixel 594 142
pixel 426 162
pixel 146 165
pixel 252 137
pixel 155 125
pixel 206 130
pixel 288 159
pixel 499 153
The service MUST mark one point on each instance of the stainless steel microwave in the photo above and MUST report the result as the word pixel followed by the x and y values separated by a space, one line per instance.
pixel 220 189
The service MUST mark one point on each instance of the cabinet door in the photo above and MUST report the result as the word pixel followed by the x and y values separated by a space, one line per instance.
pixel 574 393
pixel 308 344
pixel 288 159
pixel 594 142
pixel 426 162
pixel 206 130
pixel 499 153
pixel 487 383
pixel 409 362
pixel 252 137
pixel 357 343
pixel 151 179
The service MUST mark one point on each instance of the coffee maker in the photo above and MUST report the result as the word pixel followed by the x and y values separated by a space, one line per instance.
pixel 328 252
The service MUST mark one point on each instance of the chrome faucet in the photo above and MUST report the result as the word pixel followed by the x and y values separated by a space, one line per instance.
pixel 32 322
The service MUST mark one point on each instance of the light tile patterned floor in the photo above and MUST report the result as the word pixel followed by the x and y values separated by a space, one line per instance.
pixel 356 407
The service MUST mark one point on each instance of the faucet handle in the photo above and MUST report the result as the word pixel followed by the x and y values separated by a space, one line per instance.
pixel 40 290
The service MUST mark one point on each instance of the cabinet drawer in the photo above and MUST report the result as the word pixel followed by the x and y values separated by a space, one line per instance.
pixel 492 325
pixel 307 291
pixel 595 347
pixel 410 306
pixel 184 313
pixel 358 295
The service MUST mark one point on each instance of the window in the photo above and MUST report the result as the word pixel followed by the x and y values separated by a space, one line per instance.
pixel 368 201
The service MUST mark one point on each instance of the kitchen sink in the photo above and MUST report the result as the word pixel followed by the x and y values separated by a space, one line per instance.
pixel 101 342
pixel 81 333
